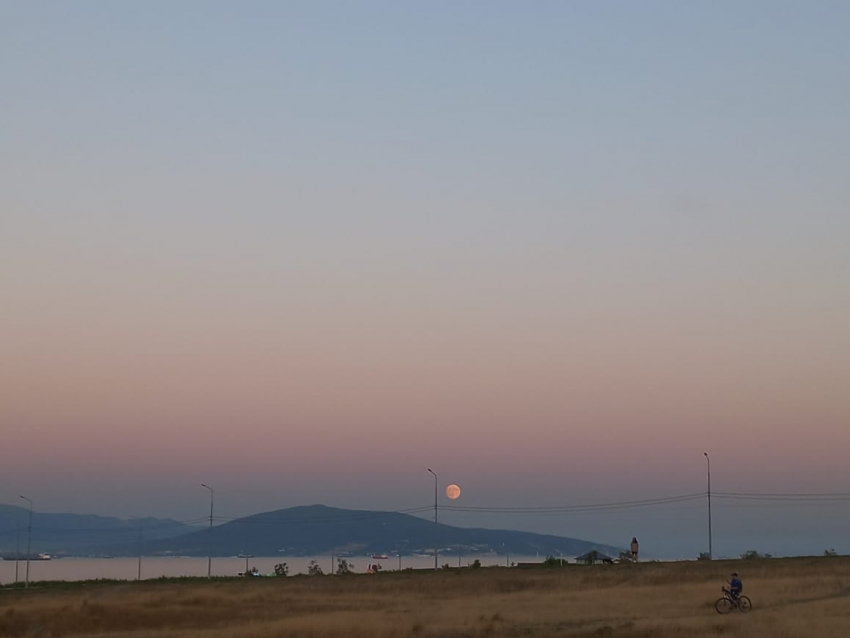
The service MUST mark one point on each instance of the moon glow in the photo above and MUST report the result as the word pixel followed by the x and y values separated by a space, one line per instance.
pixel 453 491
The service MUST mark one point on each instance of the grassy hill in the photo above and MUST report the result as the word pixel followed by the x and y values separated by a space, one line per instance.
pixel 792 598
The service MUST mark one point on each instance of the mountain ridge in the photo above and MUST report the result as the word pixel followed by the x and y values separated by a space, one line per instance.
pixel 78 534
pixel 319 529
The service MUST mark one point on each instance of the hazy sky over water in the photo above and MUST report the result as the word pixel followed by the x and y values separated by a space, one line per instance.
pixel 303 251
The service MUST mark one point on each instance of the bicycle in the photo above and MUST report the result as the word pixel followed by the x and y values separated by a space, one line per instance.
pixel 729 603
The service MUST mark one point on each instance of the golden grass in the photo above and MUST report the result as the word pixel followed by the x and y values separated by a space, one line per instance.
pixel 793 598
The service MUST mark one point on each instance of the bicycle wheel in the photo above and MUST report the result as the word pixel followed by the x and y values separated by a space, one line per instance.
pixel 724 605
pixel 745 604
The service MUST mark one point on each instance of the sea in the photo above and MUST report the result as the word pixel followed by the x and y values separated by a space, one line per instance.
pixel 75 569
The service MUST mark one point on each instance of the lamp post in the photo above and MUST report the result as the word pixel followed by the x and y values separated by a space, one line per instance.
pixel 708 493
pixel 29 541
pixel 209 544
pixel 17 546
pixel 139 571
pixel 436 553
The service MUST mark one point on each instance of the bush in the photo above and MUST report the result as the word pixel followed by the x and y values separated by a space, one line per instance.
pixel 753 554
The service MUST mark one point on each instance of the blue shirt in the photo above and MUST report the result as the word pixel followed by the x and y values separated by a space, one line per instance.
pixel 736 584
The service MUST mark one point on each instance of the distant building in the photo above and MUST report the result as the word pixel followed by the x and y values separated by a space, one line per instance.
pixel 593 557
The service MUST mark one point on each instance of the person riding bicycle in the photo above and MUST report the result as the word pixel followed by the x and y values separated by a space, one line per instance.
pixel 736 586
pixel 733 598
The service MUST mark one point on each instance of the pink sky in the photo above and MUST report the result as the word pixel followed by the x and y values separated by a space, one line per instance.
pixel 169 365
pixel 303 257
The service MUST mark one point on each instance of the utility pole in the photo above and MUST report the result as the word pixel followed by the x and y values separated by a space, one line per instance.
pixel 17 547
pixel 29 541
pixel 436 550
pixel 209 544
pixel 139 572
pixel 708 493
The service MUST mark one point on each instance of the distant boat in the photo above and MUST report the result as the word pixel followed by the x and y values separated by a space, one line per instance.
pixel 25 556
pixel 380 556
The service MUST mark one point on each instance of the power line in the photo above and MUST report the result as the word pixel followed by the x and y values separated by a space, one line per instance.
pixel 681 498
pixel 783 497
pixel 751 497
pixel 49 529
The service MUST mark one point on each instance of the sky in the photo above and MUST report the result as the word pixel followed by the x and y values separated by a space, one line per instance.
pixel 555 251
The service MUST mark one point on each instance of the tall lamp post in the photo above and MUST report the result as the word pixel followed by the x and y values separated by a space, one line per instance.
pixel 17 546
pixel 139 571
pixel 209 543
pixel 435 518
pixel 29 541
pixel 708 493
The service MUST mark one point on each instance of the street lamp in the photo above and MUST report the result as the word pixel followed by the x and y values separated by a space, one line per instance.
pixel 17 545
pixel 708 493
pixel 139 572
pixel 29 541
pixel 435 517
pixel 209 543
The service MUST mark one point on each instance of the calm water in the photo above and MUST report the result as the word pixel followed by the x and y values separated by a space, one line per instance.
pixel 154 567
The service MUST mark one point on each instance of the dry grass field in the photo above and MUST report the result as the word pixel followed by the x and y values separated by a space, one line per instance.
pixel 793 598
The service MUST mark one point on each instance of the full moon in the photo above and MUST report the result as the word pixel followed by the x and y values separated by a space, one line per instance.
pixel 453 491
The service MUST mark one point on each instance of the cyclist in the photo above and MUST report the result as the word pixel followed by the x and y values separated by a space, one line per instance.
pixel 736 586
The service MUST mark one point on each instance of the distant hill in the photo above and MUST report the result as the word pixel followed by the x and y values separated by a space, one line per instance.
pixel 76 534
pixel 318 529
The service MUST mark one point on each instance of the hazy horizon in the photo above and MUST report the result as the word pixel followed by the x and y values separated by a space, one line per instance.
pixel 304 252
